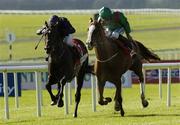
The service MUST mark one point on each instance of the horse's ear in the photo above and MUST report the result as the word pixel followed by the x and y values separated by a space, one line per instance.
pixel 90 20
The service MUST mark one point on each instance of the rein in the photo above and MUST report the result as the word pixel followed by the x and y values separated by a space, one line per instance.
pixel 109 59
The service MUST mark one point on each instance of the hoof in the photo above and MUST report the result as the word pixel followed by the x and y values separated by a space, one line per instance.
pixel 145 103
pixel 53 103
pixel 103 102
pixel 108 99
pixel 117 106
pixel 122 113
pixel 75 115
pixel 60 104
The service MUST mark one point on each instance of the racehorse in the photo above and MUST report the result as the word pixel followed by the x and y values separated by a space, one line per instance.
pixel 112 62
pixel 62 66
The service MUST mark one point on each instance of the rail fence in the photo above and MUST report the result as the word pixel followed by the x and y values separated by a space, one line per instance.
pixel 38 68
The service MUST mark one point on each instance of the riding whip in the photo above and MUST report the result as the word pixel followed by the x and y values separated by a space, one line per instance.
pixel 38 42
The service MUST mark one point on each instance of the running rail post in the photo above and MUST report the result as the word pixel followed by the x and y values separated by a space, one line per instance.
pixel 160 83
pixel 5 83
pixel 142 85
pixel 70 92
pixel 16 90
pixel 169 88
pixel 66 98
pixel 38 96
pixel 93 90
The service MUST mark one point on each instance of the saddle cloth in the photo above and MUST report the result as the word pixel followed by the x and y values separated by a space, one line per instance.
pixel 81 50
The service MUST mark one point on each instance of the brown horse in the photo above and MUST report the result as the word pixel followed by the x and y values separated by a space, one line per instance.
pixel 112 62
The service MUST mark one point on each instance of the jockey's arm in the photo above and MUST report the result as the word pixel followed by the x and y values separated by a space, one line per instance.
pixel 124 22
pixel 127 31
pixel 129 36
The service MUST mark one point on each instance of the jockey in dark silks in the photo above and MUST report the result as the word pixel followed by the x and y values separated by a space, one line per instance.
pixel 67 28
pixel 116 24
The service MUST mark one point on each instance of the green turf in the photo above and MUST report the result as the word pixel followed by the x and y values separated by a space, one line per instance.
pixel 156 114
pixel 144 27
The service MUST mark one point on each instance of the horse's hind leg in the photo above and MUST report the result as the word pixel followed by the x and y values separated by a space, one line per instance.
pixel 51 81
pixel 79 82
pixel 59 89
pixel 144 101
pixel 138 71
pixel 118 98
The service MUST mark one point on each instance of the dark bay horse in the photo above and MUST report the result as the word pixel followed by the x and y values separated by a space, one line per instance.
pixel 62 66
pixel 112 62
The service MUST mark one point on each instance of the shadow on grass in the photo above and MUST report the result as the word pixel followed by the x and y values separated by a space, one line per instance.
pixel 152 115
pixel 16 122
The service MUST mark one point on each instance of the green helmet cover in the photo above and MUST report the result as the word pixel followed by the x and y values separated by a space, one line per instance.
pixel 105 13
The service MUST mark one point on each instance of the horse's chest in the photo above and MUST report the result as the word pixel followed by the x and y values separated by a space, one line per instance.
pixel 106 69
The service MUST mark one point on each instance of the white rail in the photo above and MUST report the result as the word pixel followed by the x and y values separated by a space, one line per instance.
pixel 161 66
pixel 37 68
pixel 17 68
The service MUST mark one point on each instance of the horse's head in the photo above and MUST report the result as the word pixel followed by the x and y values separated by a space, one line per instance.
pixel 54 37
pixel 95 34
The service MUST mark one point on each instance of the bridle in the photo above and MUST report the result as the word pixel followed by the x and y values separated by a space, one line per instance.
pixel 100 44
pixel 49 40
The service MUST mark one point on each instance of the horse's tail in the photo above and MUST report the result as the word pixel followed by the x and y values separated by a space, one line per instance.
pixel 146 53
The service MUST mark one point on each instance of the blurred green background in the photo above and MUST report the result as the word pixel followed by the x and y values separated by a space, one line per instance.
pixel 156 31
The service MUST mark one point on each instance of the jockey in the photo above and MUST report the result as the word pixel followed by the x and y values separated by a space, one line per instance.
pixel 68 28
pixel 116 24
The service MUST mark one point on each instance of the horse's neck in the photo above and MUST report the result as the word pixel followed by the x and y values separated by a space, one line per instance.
pixel 105 49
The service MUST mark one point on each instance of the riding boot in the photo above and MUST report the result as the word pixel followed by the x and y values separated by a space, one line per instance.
pixel 128 44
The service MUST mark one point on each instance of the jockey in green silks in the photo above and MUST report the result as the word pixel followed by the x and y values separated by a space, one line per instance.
pixel 116 24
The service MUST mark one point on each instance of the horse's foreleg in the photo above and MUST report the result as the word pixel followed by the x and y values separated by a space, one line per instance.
pixel 60 102
pixel 101 100
pixel 118 99
pixel 48 87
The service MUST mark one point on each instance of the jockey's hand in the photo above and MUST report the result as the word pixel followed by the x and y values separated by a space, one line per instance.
pixel 41 31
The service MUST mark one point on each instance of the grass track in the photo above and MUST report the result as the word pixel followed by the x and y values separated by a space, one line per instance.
pixel 25 26
pixel 156 114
